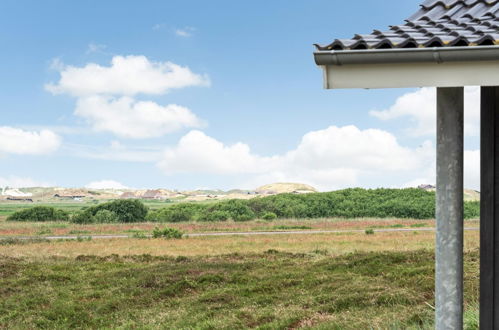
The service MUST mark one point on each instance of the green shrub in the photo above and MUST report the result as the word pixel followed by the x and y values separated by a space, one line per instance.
pixel 269 216
pixel 82 218
pixel 214 216
pixel 235 209
pixel 125 211
pixel 168 233
pixel 181 212
pixel 369 232
pixel 40 214
pixel 105 216
pixel 139 235
pixel 471 209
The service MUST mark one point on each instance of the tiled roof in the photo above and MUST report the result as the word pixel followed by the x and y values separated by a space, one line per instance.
pixel 438 23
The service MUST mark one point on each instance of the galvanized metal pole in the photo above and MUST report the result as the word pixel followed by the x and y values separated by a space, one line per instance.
pixel 449 241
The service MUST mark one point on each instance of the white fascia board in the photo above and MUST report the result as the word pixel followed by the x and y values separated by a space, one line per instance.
pixel 407 75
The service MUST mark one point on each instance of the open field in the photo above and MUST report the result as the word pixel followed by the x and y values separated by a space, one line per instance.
pixel 346 280
pixel 332 244
pixel 269 290
pixel 11 228
pixel 324 281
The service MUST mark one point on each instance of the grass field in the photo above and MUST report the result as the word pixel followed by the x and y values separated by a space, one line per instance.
pixel 331 244
pixel 347 280
pixel 269 290
pixel 8 228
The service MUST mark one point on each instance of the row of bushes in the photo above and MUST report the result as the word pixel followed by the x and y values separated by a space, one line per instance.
pixel 118 211
pixel 40 213
pixel 349 203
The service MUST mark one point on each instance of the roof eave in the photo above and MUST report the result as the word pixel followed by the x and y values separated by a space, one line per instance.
pixel 407 55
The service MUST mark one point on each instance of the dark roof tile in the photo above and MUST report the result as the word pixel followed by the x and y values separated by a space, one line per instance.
pixel 438 23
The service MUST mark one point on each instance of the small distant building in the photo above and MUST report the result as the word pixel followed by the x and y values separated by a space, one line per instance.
pixel 426 186
pixel 73 197
pixel 20 199
pixel 128 195
pixel 153 194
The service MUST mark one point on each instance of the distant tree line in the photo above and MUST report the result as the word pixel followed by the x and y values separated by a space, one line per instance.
pixel 348 203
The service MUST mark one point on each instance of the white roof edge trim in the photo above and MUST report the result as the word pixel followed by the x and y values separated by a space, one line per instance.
pixel 409 75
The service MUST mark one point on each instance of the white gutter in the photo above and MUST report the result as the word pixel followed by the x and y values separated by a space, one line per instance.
pixel 407 55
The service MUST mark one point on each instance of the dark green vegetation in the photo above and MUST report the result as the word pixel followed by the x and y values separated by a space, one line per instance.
pixel 274 290
pixel 349 203
pixel 39 213
pixel 124 211
pixel 168 233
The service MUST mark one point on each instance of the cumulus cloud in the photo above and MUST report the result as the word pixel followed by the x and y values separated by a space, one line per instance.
pixel 332 158
pixel 198 153
pixel 128 118
pixel 471 171
pixel 104 95
pixel 105 184
pixel 420 107
pixel 350 147
pixel 21 142
pixel 127 75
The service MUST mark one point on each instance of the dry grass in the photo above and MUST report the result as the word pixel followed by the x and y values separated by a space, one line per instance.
pixel 333 244
pixel 61 228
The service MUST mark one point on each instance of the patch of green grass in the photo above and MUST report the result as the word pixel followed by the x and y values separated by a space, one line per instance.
pixel 291 227
pixel 140 235
pixel 79 232
pixel 419 225
pixel 472 318
pixel 18 241
pixel 44 231
pixel 273 290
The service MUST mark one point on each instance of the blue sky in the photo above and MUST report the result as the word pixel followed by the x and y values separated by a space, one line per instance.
pixel 250 108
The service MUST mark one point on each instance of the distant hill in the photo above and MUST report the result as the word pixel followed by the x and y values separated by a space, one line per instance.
pixel 470 195
pixel 280 188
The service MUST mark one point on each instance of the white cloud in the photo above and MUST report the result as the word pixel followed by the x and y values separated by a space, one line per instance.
pixel 127 75
pixel 348 146
pixel 472 169
pixel 105 184
pixel 332 158
pixel 22 182
pixel 128 118
pixel 21 142
pixel 196 152
pixel 420 108
pixel 185 32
